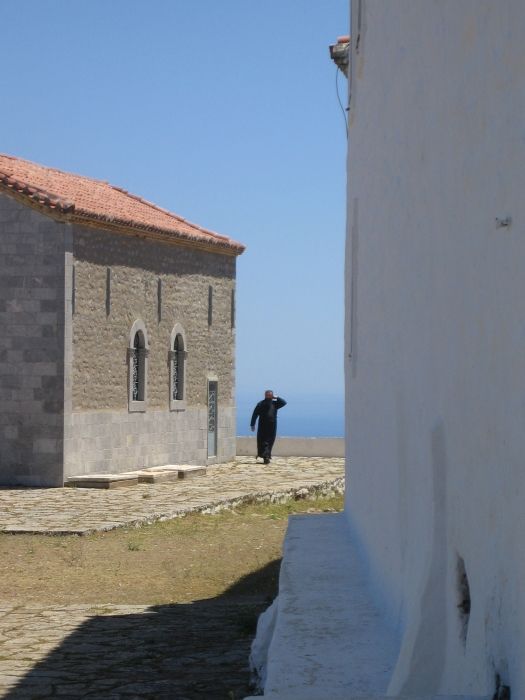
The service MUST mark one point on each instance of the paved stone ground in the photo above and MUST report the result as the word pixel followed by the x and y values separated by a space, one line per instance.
pixel 182 652
pixel 194 651
pixel 82 511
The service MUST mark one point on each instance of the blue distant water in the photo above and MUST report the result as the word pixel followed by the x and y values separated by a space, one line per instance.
pixel 301 417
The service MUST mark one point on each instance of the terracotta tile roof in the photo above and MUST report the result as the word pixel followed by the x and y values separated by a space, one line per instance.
pixel 84 200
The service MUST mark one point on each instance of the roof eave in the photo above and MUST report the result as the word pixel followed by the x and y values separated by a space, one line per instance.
pixel 228 247
pixel 64 211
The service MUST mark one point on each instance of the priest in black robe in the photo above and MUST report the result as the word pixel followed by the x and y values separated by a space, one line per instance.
pixel 266 412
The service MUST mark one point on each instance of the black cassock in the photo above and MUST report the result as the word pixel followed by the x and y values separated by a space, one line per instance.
pixel 266 412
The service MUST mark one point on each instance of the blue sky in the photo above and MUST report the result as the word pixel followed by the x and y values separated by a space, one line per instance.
pixel 224 112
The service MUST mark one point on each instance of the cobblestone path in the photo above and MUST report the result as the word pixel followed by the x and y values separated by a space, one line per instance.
pixel 82 511
pixel 194 651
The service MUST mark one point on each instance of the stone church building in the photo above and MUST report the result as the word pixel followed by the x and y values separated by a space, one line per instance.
pixel 118 331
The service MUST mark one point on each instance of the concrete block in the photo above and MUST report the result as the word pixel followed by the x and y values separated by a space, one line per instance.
pixel 46 446
pixel 102 481
pixel 157 477
pixel 42 369
pixel 190 472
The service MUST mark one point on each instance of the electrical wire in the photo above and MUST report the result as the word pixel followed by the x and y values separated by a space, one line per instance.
pixel 337 70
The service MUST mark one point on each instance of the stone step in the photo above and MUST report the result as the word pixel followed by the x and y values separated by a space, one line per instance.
pixel 157 477
pixel 154 475
pixel 103 481
pixel 190 472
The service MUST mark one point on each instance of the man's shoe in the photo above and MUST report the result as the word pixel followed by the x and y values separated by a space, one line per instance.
pixel 266 460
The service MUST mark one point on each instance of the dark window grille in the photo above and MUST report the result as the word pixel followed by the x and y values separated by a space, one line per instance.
pixel 138 367
pixel 73 289
pixel 178 369
pixel 212 418
pixel 135 369
pixel 108 291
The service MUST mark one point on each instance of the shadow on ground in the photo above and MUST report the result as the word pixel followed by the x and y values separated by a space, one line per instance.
pixel 187 651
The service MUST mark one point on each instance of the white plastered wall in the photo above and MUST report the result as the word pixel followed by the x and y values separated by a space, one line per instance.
pixel 436 329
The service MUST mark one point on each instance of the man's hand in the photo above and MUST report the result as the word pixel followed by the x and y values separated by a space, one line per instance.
pixel 253 428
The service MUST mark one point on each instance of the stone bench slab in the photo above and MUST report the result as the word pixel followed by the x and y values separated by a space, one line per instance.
pixel 182 470
pixel 191 472
pixel 155 475
pixel 103 481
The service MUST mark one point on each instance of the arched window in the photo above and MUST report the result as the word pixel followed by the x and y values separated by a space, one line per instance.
pixel 177 362
pixel 138 367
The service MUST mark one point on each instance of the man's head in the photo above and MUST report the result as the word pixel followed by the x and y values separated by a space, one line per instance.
pixel 268 394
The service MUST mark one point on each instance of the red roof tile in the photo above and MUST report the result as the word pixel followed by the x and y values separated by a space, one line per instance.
pixel 84 200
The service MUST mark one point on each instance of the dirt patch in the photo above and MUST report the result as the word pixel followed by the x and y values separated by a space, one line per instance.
pixel 190 558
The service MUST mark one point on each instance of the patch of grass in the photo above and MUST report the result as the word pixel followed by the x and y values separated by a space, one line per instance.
pixel 198 556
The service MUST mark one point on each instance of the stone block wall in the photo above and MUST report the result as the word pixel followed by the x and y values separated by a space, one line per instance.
pixel 69 296
pixel 118 441
pixel 100 339
pixel 33 251
pixel 118 280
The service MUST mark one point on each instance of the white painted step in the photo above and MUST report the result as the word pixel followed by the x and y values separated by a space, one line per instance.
pixel 324 638
pixel 329 639
pixel 273 696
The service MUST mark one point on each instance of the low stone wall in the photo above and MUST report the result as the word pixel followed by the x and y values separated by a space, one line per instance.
pixel 296 447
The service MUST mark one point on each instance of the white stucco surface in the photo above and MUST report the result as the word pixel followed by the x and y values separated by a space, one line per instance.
pixel 288 696
pixel 435 333
pixel 329 639
pixel 371 697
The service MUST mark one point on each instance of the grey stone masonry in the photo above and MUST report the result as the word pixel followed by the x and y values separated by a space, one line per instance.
pixel 32 273
pixel 100 339
pixel 118 441
pixel 101 434
pixel 71 299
